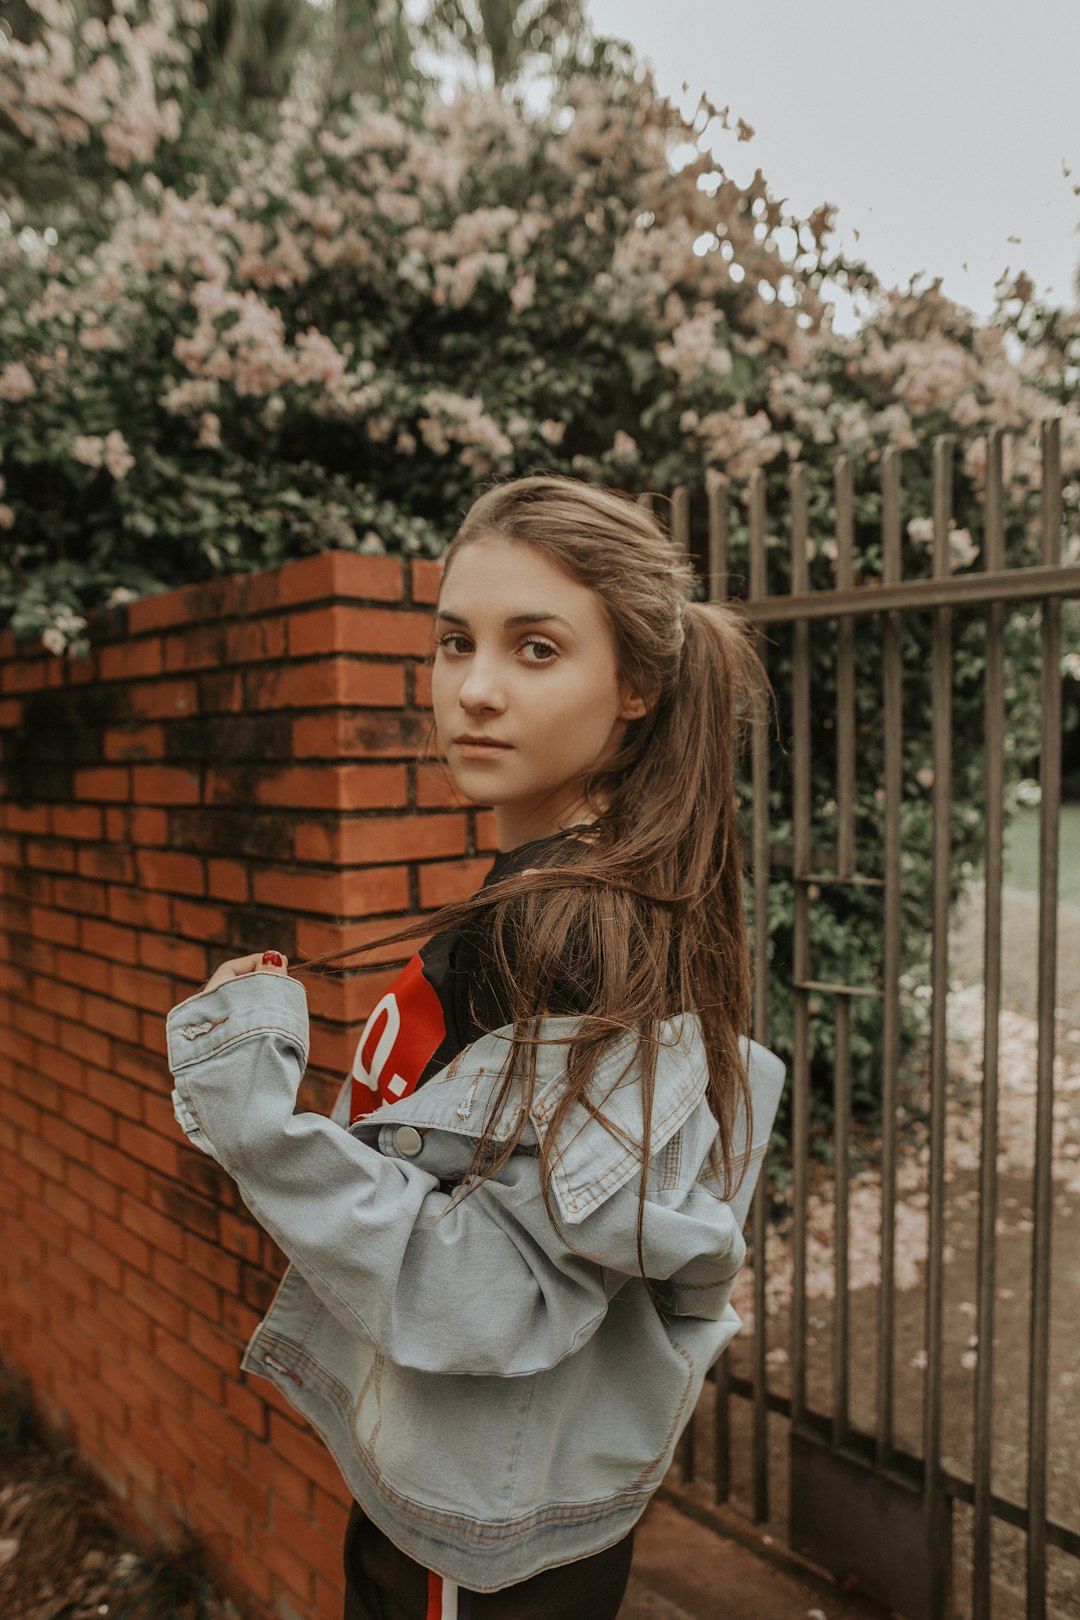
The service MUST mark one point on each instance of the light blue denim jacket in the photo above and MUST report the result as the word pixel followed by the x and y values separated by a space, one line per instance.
pixel 496 1403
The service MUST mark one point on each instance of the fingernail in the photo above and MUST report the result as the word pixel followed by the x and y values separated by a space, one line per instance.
pixel 273 959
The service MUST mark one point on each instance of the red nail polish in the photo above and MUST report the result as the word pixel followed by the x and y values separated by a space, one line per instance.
pixel 273 959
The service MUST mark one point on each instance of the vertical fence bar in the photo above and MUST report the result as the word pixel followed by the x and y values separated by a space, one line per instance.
pixel 1049 817
pixel 845 868
pixel 680 534
pixel 893 707
pixel 800 864
pixel 718 561
pixel 717 585
pixel 680 520
pixel 939 975
pixel 994 725
pixel 760 786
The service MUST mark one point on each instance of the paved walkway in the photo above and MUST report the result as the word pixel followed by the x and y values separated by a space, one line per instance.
pixel 684 1571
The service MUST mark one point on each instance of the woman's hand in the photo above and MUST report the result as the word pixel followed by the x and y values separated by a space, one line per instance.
pixel 257 962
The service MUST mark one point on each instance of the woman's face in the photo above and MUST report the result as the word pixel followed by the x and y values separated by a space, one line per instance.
pixel 525 658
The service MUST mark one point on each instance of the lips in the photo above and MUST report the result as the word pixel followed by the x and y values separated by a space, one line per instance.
pixel 480 742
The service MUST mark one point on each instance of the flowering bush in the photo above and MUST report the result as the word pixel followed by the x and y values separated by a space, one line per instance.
pixel 259 347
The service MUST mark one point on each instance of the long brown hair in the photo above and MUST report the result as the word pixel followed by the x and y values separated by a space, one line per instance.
pixel 647 901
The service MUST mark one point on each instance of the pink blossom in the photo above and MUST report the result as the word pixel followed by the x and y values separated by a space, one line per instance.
pixel 89 449
pixel 118 458
pixel 16 383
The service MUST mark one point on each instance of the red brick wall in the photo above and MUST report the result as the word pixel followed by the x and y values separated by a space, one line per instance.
pixel 234 768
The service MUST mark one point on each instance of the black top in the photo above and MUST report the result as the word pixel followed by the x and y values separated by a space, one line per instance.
pixel 423 1020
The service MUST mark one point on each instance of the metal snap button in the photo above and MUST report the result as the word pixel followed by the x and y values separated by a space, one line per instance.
pixel 408 1141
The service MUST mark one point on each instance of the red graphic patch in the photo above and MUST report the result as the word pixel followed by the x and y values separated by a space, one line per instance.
pixel 403 1031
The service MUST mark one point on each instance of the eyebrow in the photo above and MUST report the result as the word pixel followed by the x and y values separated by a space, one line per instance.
pixel 541 617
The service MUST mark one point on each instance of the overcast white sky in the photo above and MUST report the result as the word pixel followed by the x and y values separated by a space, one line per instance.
pixel 938 127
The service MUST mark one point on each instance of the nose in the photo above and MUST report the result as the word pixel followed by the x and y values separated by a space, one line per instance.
pixel 481 686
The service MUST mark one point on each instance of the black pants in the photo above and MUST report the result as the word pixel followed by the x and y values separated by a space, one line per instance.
pixel 383 1583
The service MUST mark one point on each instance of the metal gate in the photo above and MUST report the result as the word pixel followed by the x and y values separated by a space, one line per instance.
pixel 873 1494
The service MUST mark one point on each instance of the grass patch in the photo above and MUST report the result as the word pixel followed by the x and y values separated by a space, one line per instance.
pixel 1022 853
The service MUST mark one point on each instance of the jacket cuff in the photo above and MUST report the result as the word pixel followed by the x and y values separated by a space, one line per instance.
pixel 249 1005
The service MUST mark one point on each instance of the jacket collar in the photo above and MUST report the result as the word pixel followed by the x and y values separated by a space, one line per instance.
pixel 592 1161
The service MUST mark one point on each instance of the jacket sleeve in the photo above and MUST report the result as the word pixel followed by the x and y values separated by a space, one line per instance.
pixel 484 1286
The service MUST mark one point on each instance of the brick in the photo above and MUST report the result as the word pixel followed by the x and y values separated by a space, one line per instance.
pixel 42 1156
pixel 105 782
pixel 139 988
pixel 379 839
pixel 219 1508
pixel 212 1263
pixel 139 910
pixel 422 686
pixel 120 1241
pixel 90 1117
pixel 336 680
pixel 426 580
pixel 301 1446
pixel 193 920
pixel 331 1512
pixel 70 1275
pixel 165 784
pixel 176 956
pixel 114 1093
pixel 208 1458
pixel 228 880
pixel 26 819
pixel 342 734
pixel 221 691
pixel 288 1567
pixel 106 939
pixel 39 1025
pixel 208 1417
pixel 485 832
pixel 329 787
pixel 88 1254
pixel 81 895
pixel 319 938
pixel 148 1439
pixel 109 862
pixel 110 1017
pixel 89 972
pixel 49 854
pixel 147 1147
pixel 184 1208
pixel 131 660
pixel 327 630
pixel 154 1228
pixel 164 700
pixel 57 926
pixel 117 1170
pixel 128 744
pixel 451 880
pixel 179 1279
pixel 352 893
pixel 435 789
pixel 162 1307
pixel 250 1493
pixel 174 873
pixel 144 826
pixel 198 1374
pixel 247 1407
pixel 81 1042
pixel 207 1340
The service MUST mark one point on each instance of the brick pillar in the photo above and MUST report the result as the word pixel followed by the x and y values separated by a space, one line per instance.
pixel 234 768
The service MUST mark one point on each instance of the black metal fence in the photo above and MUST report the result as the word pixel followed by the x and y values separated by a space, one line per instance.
pixel 876 1493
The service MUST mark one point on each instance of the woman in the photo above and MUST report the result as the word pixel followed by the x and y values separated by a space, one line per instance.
pixel 513 1243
